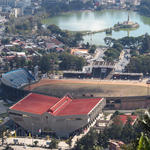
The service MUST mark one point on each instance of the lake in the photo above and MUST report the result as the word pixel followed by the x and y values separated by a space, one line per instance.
pixel 92 21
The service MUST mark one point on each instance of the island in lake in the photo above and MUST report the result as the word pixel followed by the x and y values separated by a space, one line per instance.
pixel 127 24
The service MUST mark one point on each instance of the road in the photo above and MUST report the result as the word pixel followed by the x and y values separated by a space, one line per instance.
pixel 124 60
pixel 99 54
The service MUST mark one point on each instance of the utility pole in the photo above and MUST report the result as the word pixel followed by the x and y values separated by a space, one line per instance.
pixel 32 133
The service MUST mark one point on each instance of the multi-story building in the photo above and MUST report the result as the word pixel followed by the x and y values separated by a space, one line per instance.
pixel 24 3
pixel 15 3
pixel 12 3
pixel 65 116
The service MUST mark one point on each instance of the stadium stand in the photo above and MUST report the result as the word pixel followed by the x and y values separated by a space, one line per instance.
pixel 17 78
pixel 97 69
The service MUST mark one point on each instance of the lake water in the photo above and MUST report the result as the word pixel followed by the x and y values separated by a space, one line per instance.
pixel 92 21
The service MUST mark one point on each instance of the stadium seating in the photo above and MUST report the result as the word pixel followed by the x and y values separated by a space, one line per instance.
pixel 17 78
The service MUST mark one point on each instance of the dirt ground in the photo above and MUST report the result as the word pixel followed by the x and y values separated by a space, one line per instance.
pixel 109 87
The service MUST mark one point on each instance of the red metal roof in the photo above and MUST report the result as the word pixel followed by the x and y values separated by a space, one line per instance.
pixel 79 106
pixel 123 118
pixel 39 104
pixel 35 103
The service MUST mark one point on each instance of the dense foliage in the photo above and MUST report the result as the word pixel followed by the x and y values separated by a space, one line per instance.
pixel 145 7
pixel 113 52
pixel 139 64
pixel 116 131
pixel 71 62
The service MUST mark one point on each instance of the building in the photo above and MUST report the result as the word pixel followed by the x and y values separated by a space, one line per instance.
pixel 23 3
pixel 6 8
pixel 97 69
pixel 12 3
pixel 124 118
pixel 133 2
pixel 52 2
pixel 115 145
pixel 65 116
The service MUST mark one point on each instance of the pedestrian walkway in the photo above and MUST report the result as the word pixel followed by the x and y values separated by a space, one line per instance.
pixel 23 143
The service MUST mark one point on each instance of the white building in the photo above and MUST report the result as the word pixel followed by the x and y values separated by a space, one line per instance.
pixel 24 3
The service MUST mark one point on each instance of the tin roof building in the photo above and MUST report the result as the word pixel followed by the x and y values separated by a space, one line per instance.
pixel 63 116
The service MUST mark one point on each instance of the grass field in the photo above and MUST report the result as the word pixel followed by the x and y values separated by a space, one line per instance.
pixel 99 89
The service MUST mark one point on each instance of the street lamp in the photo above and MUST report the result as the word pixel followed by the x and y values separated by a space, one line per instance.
pixel 32 133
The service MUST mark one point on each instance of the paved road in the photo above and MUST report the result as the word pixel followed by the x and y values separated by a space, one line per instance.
pixel 3 109
pixel 124 60
pixel 100 54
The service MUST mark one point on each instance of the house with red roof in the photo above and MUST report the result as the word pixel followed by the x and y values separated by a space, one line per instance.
pixel 57 43
pixel 64 116
pixel 124 118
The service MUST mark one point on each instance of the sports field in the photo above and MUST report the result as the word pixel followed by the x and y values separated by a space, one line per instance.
pixel 99 89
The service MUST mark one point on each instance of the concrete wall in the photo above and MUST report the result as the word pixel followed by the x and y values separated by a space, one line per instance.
pixel 133 102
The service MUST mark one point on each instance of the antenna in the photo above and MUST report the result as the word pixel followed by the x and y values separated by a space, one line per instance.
pixel 91 39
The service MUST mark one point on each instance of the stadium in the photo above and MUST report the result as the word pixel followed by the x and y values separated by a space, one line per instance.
pixel 102 70
pixel 61 113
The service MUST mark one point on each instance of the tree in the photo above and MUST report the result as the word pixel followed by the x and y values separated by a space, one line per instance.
pixel 6 66
pixel 5 41
pixel 17 61
pixel 129 120
pixel 22 62
pixel 39 24
pixel 87 45
pixel 53 143
pixel 69 142
pixel 108 41
pixel 35 142
pixel 54 29
pixel 2 134
pixel 8 148
pixel 46 64
pixel 7 30
pixel 30 65
pixel 11 63
pixel 145 122
pixel 92 49
pixel 79 37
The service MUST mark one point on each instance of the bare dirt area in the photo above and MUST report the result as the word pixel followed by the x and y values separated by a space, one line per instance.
pixel 97 88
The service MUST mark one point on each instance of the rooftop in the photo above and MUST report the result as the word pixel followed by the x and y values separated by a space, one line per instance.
pixel 35 103
pixel 39 104
pixel 123 118
pixel 79 106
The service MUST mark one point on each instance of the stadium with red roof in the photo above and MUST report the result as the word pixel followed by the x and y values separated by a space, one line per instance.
pixel 63 116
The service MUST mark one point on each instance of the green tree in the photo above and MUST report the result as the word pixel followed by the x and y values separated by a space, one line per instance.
pixel 54 29
pixel 69 142
pixel 92 49
pixel 79 37
pixel 2 134
pixel 35 142
pixel 8 147
pixel 7 30
pixel 145 122
pixel 46 64
pixel 22 62
pixel 54 143
pixel 30 64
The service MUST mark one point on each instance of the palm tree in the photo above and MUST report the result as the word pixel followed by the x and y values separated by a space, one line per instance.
pixel 145 122
pixel 2 133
